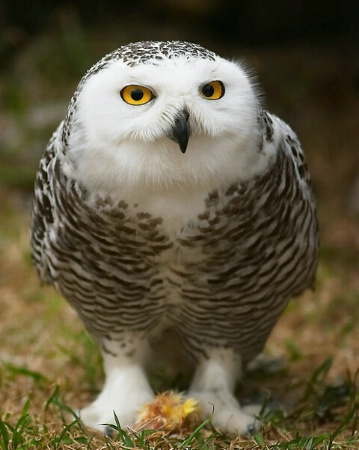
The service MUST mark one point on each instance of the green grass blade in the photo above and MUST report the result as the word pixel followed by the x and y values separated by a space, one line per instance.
pixel 124 437
pixel 54 395
pixel 17 370
pixel 318 377
pixel 352 415
pixel 195 434
pixel 64 433
pixel 4 442
pixel 259 439
pixel 55 400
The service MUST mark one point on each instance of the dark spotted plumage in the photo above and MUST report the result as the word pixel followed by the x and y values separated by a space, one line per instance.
pixel 216 270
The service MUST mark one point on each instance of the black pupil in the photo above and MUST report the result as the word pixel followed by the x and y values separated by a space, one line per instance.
pixel 208 90
pixel 136 95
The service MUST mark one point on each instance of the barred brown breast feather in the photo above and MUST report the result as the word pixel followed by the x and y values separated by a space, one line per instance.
pixel 257 241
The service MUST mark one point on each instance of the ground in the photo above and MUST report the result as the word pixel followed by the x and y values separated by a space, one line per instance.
pixel 309 373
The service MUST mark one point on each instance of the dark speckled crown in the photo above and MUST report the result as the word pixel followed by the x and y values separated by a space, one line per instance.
pixel 152 51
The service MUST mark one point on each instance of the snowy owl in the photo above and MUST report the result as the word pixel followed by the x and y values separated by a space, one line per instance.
pixel 171 207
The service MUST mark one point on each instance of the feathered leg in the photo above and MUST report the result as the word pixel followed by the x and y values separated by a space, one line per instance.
pixel 126 386
pixel 213 385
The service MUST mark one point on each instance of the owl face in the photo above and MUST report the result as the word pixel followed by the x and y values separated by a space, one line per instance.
pixel 175 120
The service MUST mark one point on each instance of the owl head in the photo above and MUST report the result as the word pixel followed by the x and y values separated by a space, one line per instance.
pixel 159 114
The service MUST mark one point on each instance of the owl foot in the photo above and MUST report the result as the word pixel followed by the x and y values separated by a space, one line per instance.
pixel 125 391
pixel 213 385
pixel 226 413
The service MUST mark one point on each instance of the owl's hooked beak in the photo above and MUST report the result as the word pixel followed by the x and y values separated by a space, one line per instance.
pixel 180 132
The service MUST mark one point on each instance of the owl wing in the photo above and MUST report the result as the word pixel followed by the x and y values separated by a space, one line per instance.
pixel 42 218
pixel 293 188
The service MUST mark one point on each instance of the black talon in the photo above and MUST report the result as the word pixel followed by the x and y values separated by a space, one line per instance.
pixel 251 430
pixel 109 432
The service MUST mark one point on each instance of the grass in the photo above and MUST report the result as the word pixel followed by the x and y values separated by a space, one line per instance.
pixel 30 430
pixel 48 364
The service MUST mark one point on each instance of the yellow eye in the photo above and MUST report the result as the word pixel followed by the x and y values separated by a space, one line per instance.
pixel 213 90
pixel 136 95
